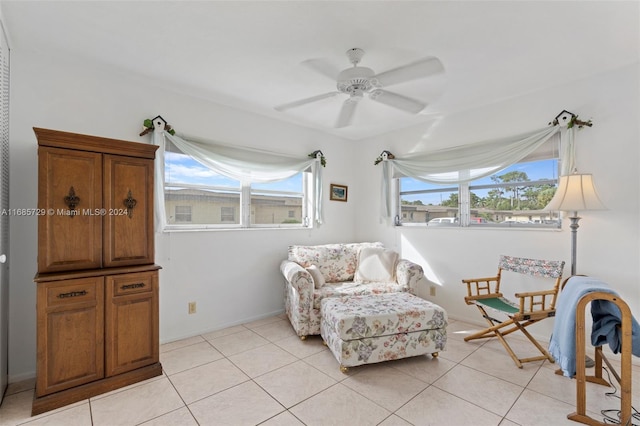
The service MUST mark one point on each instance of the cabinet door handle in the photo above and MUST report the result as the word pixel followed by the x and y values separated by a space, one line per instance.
pixel 132 286
pixel 72 201
pixel 72 294
pixel 130 203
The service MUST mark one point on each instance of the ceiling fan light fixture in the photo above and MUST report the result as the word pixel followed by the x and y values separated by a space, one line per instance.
pixel 357 76
pixel 357 94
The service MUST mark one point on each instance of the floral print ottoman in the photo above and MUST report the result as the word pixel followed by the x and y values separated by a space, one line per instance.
pixel 381 327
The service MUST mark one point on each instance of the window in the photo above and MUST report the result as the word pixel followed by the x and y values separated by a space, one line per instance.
pixel 278 203
pixel 183 214
pixel 227 214
pixel 513 197
pixel 197 197
pixel 422 202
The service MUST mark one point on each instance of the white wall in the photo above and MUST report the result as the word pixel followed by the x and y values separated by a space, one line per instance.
pixel 608 241
pixel 232 275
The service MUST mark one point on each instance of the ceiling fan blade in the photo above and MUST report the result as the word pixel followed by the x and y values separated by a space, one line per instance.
pixel 413 71
pixel 305 101
pixel 346 113
pixel 323 67
pixel 397 101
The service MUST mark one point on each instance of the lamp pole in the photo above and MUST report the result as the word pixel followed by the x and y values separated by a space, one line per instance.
pixel 589 362
pixel 574 238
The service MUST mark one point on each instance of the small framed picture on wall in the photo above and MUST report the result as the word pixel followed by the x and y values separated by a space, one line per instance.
pixel 338 192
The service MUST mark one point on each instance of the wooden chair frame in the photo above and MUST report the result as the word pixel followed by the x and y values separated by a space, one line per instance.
pixel 623 379
pixel 533 306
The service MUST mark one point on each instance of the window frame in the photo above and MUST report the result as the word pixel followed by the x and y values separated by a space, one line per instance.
pixel 244 213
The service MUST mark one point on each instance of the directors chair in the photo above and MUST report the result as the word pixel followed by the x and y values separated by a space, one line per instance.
pixel 531 308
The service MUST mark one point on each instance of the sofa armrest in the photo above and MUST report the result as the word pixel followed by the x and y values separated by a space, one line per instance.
pixel 408 273
pixel 297 276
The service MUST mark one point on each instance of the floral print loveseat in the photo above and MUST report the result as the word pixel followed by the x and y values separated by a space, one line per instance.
pixel 337 266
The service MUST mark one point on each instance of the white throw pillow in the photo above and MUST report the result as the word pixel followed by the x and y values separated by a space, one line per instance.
pixel 318 279
pixel 376 264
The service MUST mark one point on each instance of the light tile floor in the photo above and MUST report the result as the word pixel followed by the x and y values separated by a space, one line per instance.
pixel 262 373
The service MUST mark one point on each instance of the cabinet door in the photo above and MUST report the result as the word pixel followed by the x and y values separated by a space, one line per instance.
pixel 70 338
pixel 69 196
pixel 128 198
pixel 131 333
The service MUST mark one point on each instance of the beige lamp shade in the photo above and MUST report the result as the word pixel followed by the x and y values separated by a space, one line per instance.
pixel 576 193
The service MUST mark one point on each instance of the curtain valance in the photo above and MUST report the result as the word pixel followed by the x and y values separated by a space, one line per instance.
pixel 466 163
pixel 470 162
pixel 243 164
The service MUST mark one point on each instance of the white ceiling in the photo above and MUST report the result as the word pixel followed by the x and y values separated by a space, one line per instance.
pixel 248 55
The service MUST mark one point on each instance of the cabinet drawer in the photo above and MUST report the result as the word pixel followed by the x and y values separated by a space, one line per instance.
pixel 71 292
pixel 132 283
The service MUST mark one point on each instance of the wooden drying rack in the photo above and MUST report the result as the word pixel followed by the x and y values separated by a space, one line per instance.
pixel 624 379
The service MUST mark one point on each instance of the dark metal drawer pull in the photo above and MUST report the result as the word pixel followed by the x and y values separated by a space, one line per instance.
pixel 131 286
pixel 72 294
pixel 130 203
pixel 72 201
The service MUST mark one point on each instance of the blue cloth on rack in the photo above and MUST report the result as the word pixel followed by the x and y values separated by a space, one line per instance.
pixel 606 319
pixel 562 345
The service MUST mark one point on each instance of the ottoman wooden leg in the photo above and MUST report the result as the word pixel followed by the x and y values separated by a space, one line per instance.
pixel 344 369
pixel 435 354
pixel 303 337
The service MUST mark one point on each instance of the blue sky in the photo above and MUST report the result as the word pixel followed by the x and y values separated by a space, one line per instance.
pixel 546 169
pixel 184 169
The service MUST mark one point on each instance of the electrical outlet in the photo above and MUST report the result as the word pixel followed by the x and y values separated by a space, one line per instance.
pixel 432 291
pixel 192 308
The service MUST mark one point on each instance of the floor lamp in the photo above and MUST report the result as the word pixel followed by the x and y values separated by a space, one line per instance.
pixel 576 193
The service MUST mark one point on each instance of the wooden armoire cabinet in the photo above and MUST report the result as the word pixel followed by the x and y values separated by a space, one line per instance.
pixel 97 284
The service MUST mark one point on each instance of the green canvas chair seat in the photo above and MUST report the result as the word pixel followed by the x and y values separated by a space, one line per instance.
pixel 499 304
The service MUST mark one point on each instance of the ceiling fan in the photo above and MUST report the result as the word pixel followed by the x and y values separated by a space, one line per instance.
pixel 357 81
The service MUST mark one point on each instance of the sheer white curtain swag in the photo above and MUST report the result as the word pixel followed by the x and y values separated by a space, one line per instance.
pixel 157 138
pixel 242 164
pixel 464 163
